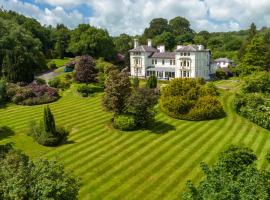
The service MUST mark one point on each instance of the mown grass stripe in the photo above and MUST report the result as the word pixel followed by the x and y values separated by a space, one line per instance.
pixel 214 142
pixel 211 136
pixel 140 153
pixel 152 164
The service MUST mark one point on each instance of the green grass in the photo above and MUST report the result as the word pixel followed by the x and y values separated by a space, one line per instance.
pixel 149 164
pixel 59 62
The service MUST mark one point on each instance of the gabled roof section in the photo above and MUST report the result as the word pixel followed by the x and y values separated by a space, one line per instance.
pixel 168 55
pixel 144 48
pixel 190 48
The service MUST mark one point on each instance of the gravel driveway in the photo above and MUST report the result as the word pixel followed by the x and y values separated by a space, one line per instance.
pixel 49 75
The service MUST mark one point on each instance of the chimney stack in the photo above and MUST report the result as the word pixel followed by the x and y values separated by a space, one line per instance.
pixel 201 47
pixel 179 47
pixel 149 41
pixel 161 48
pixel 136 43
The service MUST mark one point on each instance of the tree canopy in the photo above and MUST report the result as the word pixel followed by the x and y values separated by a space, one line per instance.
pixel 234 176
pixel 21 178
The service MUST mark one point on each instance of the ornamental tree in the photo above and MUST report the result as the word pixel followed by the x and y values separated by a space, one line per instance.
pixel 48 120
pixel 141 105
pixel 117 90
pixel 86 71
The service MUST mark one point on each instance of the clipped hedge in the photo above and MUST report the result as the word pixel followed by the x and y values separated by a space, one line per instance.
pixel 191 99
pixel 87 89
pixel 124 122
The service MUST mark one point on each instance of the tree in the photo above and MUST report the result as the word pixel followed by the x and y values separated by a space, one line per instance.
pixel 151 82
pixel 234 176
pixel 2 91
pixel 136 82
pixel 141 105
pixel 179 26
pixel 21 178
pixel 123 44
pixel 157 27
pixel 251 34
pixel 89 40
pixel 21 54
pixel 166 38
pixel 252 31
pixel 48 120
pixel 117 90
pixel 256 53
pixel 46 133
pixel 62 35
pixel 86 71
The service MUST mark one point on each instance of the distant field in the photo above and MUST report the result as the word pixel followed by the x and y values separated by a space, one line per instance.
pixel 149 164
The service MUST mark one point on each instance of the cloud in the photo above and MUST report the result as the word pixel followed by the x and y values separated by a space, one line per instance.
pixel 47 16
pixel 132 16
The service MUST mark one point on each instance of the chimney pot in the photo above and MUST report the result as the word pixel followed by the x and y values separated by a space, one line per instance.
pixel 136 43
pixel 149 41
pixel 161 48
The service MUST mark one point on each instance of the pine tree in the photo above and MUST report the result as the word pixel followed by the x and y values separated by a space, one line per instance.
pixel 48 119
pixel 136 82
pixel 152 82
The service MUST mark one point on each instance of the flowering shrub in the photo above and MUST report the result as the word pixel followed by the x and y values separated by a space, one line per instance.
pixel 32 94
pixel 255 107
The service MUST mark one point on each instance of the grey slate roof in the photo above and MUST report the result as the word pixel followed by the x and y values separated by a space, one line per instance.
pixel 144 48
pixel 169 55
pixel 223 60
pixel 190 48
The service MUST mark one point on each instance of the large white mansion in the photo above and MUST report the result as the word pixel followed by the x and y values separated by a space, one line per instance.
pixel 190 61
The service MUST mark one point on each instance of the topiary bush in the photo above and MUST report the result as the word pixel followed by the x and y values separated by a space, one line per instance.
pixel 207 107
pixel 124 122
pixel 191 99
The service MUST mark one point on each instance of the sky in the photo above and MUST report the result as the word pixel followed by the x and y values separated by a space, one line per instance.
pixel 133 16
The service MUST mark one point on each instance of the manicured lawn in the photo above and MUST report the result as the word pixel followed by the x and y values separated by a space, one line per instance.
pixel 60 62
pixel 149 164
